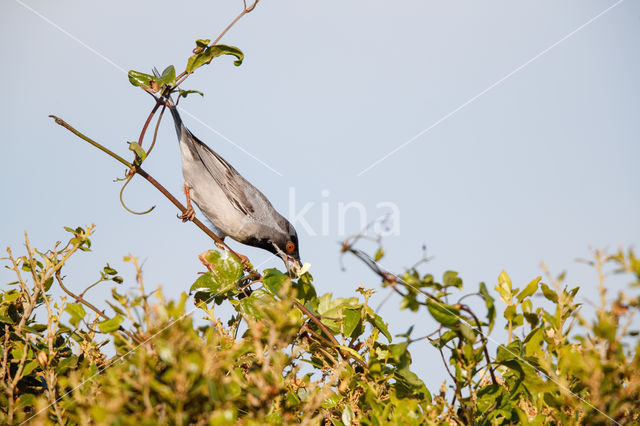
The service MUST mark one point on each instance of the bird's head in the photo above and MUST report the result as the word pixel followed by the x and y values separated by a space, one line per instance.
pixel 287 242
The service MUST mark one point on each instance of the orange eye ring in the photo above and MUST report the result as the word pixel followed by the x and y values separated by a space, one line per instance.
pixel 290 247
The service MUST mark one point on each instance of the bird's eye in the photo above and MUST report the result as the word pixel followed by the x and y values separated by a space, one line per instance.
pixel 290 247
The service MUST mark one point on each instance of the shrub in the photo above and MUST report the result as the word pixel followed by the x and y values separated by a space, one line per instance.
pixel 288 355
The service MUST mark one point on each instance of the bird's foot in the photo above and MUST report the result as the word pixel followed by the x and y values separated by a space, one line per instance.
pixel 246 265
pixel 189 214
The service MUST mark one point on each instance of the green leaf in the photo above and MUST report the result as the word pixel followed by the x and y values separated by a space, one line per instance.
pixel 29 367
pixel 533 343
pixel 510 312
pixel 225 271
pixel 451 279
pixel 351 352
pixel 255 305
pixel 305 290
pixel 138 151
pixel 347 415
pixel 378 323
pixel 110 325
pixel 202 43
pixel 207 53
pixel 511 351
pixel 123 300
pixel 532 319
pixel 168 76
pixel 446 337
pixel 139 79
pixel 529 290
pixel 466 331
pixel 409 385
pixel 11 296
pixel 489 303
pixel 446 315
pixel 333 309
pixel 488 395
pixel 77 313
pixel 379 254
pixel 548 293
pixel 350 320
pixel 331 401
pixel 66 364
pixel 504 287
pixel 109 270
pixel 185 93
pixel 116 309
pixel 274 280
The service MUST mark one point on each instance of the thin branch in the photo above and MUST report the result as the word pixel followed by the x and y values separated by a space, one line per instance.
pixel 146 123
pixel 182 77
pixel 155 132
pixel 245 10
pixel 316 320
pixel 484 341
pixel 107 151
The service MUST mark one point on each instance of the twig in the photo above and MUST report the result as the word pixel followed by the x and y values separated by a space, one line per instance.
pixel 155 132
pixel 484 341
pixel 316 320
pixel 146 123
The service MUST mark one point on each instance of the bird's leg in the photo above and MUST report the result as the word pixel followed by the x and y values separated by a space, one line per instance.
pixel 189 214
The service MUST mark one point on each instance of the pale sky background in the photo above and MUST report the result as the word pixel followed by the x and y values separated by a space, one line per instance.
pixel 538 168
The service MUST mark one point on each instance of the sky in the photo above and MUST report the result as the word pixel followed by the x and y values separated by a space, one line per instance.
pixel 499 134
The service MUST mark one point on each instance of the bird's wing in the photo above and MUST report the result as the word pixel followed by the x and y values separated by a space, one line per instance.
pixel 231 182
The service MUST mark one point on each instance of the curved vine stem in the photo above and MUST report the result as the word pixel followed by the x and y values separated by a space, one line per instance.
pixel 129 177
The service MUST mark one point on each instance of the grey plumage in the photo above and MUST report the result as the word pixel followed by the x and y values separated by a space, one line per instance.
pixel 233 205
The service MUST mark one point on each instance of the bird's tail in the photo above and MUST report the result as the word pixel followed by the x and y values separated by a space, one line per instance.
pixel 177 120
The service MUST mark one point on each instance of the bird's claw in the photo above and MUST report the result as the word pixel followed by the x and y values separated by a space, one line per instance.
pixel 189 214
pixel 246 265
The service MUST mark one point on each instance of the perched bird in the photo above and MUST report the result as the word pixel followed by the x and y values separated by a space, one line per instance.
pixel 235 207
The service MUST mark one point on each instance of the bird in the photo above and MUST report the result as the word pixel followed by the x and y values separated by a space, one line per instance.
pixel 234 206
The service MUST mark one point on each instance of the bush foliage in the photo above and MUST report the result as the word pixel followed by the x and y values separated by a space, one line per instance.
pixel 288 355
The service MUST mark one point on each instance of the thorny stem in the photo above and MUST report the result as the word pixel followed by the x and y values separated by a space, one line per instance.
pixel 152 181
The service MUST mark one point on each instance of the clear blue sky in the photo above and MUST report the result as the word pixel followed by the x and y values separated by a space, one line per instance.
pixel 531 154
